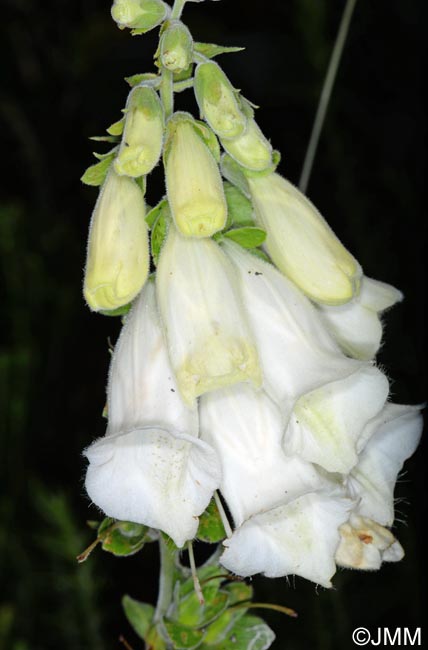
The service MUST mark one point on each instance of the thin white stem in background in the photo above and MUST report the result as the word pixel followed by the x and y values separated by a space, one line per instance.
pixel 326 94
pixel 196 582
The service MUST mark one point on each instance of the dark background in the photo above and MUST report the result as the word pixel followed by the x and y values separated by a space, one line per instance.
pixel 63 66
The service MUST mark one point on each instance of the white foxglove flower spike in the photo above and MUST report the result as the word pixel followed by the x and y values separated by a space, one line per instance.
pixel 209 341
pixel 150 468
pixel 301 243
pixel 117 262
pixel 357 325
pixel 296 352
pixel 327 423
pixel 364 544
pixel 245 427
pixel 299 538
pixel 393 436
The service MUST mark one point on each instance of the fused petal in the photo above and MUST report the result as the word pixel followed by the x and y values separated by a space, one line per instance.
pixel 395 434
pixel 327 423
pixel 210 345
pixel 357 325
pixel 245 427
pixel 299 538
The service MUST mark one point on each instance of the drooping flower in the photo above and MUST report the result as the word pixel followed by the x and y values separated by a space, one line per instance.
pixel 299 538
pixel 246 428
pixel 150 468
pixel 357 325
pixel 142 139
pixel 209 341
pixel 117 262
pixel 251 149
pixel 193 181
pixel 301 243
pixel 296 352
pixel 139 14
pixel 327 423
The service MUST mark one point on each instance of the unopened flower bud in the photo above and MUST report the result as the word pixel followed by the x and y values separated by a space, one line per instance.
pixel 301 243
pixel 138 14
pixel 176 47
pixel 142 138
pixel 251 149
pixel 217 101
pixel 118 255
pixel 194 186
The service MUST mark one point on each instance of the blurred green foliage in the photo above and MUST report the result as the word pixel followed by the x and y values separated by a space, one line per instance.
pixel 63 69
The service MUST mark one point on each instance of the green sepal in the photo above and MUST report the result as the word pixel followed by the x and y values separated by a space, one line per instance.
pixel 211 527
pixel 142 183
pixel 247 237
pixel 139 615
pixel 184 74
pixel 192 614
pixel 122 538
pixel 211 50
pixel 116 128
pixel 104 138
pixel 153 214
pixel 247 633
pixel 120 311
pixel 136 79
pixel 159 230
pixel 183 637
pixel 258 252
pixel 239 207
pixel 239 592
pixel 234 173
pixel 209 137
pixel 95 174
pixel 201 129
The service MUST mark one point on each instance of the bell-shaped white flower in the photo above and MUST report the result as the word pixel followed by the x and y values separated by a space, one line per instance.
pixel 299 538
pixel 245 427
pixel 301 243
pixel 393 436
pixel 210 344
pixel 364 544
pixel 296 352
pixel 357 325
pixel 327 423
pixel 117 262
pixel 150 468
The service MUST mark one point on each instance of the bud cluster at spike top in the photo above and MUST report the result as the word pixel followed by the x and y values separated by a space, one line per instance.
pixel 251 372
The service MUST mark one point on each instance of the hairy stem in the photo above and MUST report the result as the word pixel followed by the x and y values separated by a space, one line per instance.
pixel 326 94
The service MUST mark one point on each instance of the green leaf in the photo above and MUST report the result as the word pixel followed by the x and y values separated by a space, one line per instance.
pixel 248 237
pixel 192 614
pixel 210 574
pixel 159 231
pixel 140 615
pixel 122 538
pixel 117 127
pixel 183 637
pixel 218 630
pixel 211 528
pixel 153 214
pixel 119 311
pixel 248 633
pixel 136 79
pixel 239 207
pixel 95 174
pixel 211 50
pixel 238 592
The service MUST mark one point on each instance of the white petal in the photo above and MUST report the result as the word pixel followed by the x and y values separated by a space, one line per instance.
pixel 398 430
pixel 296 352
pixel 364 544
pixel 142 389
pixel 356 325
pixel 299 538
pixel 210 344
pixel 326 424
pixel 152 477
pixel 245 427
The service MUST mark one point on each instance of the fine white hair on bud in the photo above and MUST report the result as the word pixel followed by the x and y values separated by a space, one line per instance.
pixel 117 263
pixel 209 340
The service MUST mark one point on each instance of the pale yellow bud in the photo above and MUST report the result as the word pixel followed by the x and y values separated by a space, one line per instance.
pixel 142 138
pixel 176 47
pixel 301 243
pixel 138 14
pixel 194 186
pixel 251 149
pixel 217 101
pixel 117 263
